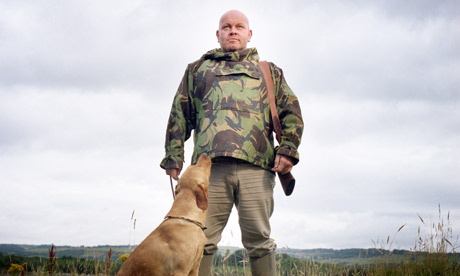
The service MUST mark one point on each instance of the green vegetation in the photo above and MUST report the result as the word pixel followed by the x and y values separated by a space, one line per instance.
pixel 434 253
pixel 344 262
pixel 63 265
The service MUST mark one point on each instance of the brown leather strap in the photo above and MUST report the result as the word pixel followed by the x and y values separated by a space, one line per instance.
pixel 287 180
pixel 271 98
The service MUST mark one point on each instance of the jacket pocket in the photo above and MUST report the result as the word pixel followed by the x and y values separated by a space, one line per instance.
pixel 238 91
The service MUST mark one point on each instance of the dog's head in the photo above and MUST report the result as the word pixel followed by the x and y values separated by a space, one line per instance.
pixel 196 178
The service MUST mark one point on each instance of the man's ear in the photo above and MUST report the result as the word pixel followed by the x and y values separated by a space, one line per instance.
pixel 250 36
pixel 201 197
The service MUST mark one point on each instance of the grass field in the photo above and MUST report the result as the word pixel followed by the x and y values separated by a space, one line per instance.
pixel 434 253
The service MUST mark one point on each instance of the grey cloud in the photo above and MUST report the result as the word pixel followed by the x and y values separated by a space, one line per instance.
pixel 85 45
pixel 419 9
pixel 401 66
pixel 355 50
pixel 68 121
pixel 86 87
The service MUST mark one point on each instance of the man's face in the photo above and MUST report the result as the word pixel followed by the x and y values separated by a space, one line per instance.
pixel 234 33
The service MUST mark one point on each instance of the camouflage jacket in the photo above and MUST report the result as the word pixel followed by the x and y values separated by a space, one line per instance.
pixel 223 98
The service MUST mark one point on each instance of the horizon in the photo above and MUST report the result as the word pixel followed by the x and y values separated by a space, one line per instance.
pixel 86 89
pixel 220 247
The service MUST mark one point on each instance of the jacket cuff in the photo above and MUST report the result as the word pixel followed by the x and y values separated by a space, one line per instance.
pixel 288 151
pixel 172 162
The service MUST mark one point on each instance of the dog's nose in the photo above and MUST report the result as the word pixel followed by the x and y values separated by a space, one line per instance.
pixel 204 158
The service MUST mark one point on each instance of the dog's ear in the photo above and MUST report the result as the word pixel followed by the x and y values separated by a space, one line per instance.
pixel 201 197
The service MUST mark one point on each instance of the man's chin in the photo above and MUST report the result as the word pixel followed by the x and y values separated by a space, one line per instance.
pixel 233 48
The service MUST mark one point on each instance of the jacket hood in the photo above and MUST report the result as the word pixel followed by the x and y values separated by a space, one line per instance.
pixel 245 55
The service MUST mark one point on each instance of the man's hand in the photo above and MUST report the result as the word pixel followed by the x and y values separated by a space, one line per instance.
pixel 283 164
pixel 174 173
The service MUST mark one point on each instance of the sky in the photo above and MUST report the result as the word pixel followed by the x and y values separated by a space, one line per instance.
pixel 86 89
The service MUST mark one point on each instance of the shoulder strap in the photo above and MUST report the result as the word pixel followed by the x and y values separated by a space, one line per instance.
pixel 287 180
pixel 271 98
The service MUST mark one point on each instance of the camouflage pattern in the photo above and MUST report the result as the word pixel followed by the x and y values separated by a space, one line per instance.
pixel 223 97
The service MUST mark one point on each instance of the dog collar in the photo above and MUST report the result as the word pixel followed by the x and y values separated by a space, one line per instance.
pixel 189 220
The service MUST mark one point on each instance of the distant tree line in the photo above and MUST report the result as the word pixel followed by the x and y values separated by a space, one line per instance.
pixel 65 264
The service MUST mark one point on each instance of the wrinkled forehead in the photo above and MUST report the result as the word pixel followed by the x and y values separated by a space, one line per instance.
pixel 233 17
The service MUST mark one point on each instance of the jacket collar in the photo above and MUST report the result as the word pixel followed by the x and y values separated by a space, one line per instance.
pixel 245 55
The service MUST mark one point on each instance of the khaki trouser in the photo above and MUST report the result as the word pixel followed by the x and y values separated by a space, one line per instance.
pixel 250 189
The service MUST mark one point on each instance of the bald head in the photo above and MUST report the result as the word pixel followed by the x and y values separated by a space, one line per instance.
pixel 233 14
pixel 233 33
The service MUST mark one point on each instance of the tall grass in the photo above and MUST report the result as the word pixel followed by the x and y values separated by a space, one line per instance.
pixel 237 264
pixel 433 253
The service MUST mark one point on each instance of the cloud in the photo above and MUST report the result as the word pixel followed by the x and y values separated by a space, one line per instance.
pixel 85 44
pixel 422 10
pixel 41 119
pixel 86 88
pixel 362 53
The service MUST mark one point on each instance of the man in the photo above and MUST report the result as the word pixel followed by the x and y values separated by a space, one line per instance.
pixel 223 98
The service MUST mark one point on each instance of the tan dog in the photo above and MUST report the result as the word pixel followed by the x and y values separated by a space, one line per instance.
pixel 175 247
